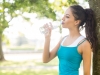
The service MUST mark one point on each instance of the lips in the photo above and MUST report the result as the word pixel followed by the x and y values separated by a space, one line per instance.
pixel 62 22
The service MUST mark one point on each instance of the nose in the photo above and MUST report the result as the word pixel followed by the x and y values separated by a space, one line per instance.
pixel 63 18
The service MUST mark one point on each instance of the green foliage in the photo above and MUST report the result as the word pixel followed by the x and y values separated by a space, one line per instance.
pixel 44 8
pixel 85 0
pixel 5 39
pixel 58 5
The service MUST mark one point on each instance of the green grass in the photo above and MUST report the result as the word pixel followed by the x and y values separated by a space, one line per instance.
pixel 19 48
pixel 29 72
pixel 54 62
pixel 23 47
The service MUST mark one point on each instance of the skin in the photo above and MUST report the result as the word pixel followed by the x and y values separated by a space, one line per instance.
pixel 68 21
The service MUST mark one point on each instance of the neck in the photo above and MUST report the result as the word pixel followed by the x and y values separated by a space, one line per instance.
pixel 74 33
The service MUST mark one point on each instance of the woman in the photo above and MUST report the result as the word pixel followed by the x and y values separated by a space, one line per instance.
pixel 73 48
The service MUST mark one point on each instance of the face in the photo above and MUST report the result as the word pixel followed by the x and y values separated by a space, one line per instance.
pixel 68 20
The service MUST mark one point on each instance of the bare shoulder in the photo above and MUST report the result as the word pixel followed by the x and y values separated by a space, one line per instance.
pixel 86 46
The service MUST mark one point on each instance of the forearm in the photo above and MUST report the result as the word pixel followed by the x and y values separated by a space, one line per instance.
pixel 87 70
pixel 46 52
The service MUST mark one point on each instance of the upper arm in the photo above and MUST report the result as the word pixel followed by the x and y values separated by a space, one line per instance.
pixel 86 54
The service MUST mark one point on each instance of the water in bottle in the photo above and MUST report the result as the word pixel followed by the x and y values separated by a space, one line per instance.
pixel 55 25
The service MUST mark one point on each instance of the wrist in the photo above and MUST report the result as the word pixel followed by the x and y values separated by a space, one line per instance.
pixel 47 38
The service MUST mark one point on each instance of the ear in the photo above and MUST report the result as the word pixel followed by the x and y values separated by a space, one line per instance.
pixel 77 22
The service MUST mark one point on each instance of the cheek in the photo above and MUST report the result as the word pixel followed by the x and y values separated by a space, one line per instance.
pixel 69 23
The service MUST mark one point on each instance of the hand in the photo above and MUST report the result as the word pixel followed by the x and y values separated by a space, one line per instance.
pixel 48 28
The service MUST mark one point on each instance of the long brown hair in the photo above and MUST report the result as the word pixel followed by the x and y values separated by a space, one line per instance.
pixel 87 18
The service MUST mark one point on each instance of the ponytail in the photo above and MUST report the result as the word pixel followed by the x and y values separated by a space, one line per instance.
pixel 87 20
pixel 90 28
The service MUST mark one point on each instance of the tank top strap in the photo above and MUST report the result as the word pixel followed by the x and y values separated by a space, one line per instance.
pixel 81 42
pixel 63 39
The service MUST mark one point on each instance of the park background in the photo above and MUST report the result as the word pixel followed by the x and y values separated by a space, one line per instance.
pixel 23 45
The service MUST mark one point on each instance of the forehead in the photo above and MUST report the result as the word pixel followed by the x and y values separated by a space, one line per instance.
pixel 68 11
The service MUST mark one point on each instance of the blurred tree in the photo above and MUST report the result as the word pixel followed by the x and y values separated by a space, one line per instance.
pixel 13 8
pixel 21 40
pixel 94 4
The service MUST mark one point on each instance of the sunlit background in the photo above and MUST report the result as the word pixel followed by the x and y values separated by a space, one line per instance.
pixel 23 46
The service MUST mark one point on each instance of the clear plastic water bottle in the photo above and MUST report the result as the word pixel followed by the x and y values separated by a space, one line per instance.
pixel 55 25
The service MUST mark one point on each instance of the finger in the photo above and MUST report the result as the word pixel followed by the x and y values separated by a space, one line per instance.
pixel 45 25
pixel 51 26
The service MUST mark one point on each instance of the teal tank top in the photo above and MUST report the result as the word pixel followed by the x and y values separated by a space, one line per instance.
pixel 69 60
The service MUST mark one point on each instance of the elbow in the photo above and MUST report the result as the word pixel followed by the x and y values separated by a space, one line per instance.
pixel 45 61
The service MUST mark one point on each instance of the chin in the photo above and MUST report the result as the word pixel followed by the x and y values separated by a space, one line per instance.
pixel 64 26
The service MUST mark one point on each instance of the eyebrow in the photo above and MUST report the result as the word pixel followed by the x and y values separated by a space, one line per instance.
pixel 67 14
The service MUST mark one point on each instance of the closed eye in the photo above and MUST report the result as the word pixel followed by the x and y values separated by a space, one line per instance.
pixel 67 16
